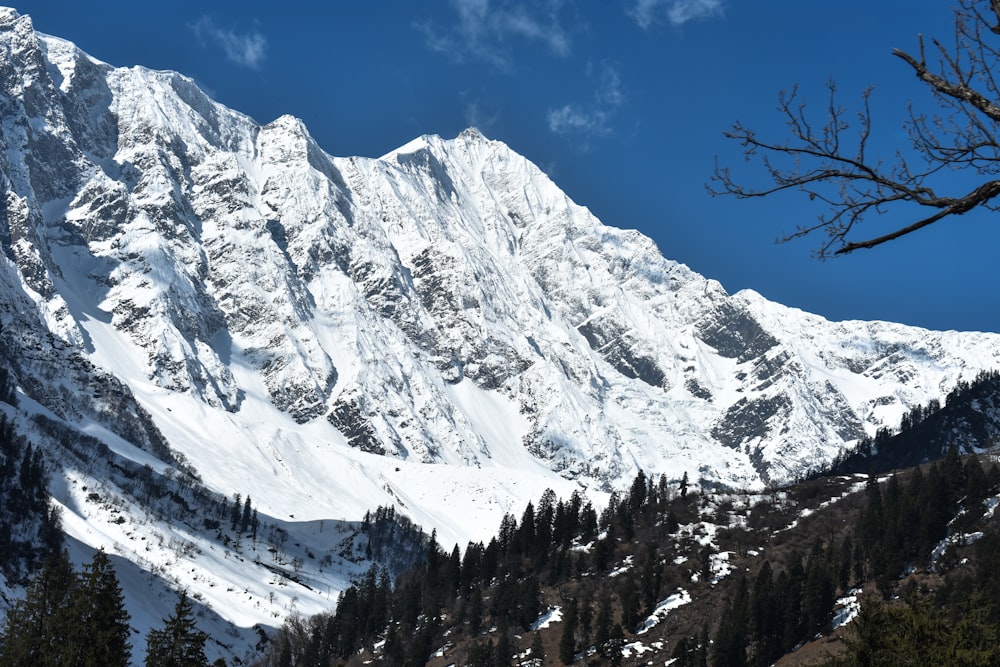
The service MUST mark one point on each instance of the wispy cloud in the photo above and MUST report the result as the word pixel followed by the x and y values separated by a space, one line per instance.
pixel 476 114
pixel 572 118
pixel 675 12
pixel 485 30
pixel 244 49
pixel 609 91
pixel 594 117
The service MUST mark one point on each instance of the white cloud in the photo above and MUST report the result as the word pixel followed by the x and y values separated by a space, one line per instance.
pixel 593 118
pixel 676 12
pixel 476 116
pixel 484 29
pixel 609 85
pixel 571 119
pixel 245 49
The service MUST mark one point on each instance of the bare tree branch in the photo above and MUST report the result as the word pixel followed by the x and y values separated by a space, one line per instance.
pixel 830 162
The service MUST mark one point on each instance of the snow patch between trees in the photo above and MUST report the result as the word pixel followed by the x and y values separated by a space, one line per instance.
pixel 678 599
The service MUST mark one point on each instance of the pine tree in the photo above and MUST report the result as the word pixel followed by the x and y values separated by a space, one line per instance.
pixel 537 651
pixel 475 614
pixel 630 603
pixel 103 630
pixel 236 512
pixel 817 591
pixel 871 519
pixel 764 616
pixel 247 515
pixel 504 650
pixel 567 642
pixel 179 643
pixel 616 642
pixel 38 630
pixel 602 625
pixel 728 648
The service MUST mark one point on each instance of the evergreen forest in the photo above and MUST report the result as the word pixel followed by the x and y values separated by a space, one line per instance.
pixel 896 565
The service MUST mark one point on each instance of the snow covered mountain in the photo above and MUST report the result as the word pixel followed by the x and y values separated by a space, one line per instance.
pixel 441 329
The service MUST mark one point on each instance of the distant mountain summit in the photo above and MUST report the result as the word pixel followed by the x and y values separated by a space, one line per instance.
pixel 445 303
pixel 441 329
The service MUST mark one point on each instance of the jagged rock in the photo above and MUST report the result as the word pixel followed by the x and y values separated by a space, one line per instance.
pixel 378 305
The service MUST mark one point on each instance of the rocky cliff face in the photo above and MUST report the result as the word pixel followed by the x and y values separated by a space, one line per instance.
pixel 443 304
pixel 186 293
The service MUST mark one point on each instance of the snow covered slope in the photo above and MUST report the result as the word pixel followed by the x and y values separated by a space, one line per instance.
pixel 440 329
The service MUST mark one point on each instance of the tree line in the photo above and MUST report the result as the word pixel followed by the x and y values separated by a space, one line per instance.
pixel 460 594
pixel 78 618
pixel 29 525
pixel 926 432
pixel 607 572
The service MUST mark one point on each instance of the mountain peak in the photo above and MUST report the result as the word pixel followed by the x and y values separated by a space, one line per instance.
pixel 456 258
pixel 7 16
pixel 472 134
pixel 202 293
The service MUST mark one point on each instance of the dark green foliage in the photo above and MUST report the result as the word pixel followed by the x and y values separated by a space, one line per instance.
pixel 901 524
pixel 817 591
pixel 39 628
pixel 537 651
pixel 363 610
pixel 629 598
pixel 104 632
pixel 503 651
pixel 612 649
pixel 29 527
pixel 691 652
pixel 764 617
pixel 68 619
pixel 481 654
pixel 393 540
pixel 496 585
pixel 917 633
pixel 729 646
pixel 480 605
pixel 234 517
pixel 926 433
pixel 178 643
pixel 247 516
pixel 567 641
pixel 602 625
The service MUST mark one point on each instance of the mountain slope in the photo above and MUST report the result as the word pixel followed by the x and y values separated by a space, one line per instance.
pixel 441 329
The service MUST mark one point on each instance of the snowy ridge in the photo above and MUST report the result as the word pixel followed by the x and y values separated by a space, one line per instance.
pixel 441 329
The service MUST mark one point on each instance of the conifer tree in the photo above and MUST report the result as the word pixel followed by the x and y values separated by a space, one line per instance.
pixel 475 614
pixel 616 642
pixel 602 625
pixel 38 630
pixel 817 591
pixel 179 643
pixel 236 514
pixel 630 603
pixel 764 618
pixel 247 515
pixel 588 522
pixel 537 651
pixel 503 650
pixel 567 642
pixel 728 648
pixel 637 492
pixel 103 631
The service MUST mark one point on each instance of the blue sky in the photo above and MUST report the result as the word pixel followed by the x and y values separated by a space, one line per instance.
pixel 622 102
